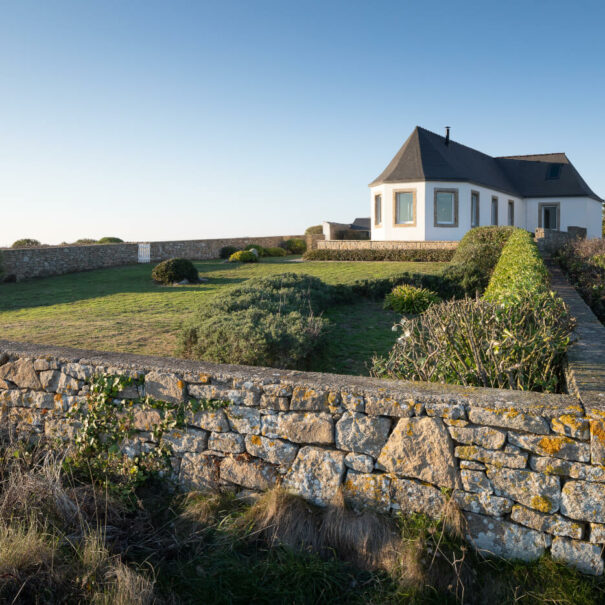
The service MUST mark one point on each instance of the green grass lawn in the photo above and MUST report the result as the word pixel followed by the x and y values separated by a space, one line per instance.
pixel 121 309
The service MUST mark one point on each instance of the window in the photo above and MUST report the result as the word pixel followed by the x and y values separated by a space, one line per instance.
pixel 553 172
pixel 377 210
pixel 404 211
pixel 494 211
pixel 511 213
pixel 446 207
pixel 474 208
pixel 549 216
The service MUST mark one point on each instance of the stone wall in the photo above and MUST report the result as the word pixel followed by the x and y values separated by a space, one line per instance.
pixel 25 263
pixel 526 469
pixel 384 245
pixel 550 240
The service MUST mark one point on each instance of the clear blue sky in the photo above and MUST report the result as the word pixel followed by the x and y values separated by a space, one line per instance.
pixel 176 120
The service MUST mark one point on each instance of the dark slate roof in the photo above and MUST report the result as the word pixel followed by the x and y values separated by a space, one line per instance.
pixel 426 157
pixel 362 223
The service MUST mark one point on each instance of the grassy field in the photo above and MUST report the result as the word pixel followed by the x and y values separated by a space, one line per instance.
pixel 121 309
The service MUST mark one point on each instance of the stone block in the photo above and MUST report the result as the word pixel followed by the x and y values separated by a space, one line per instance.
pixel 597 442
pixel 597 533
pixel 199 471
pixel 251 474
pixel 582 556
pixel 362 434
pixel 494 537
pixel 482 436
pixel 57 382
pixel 535 490
pixel 277 390
pixel 475 482
pixel 421 448
pixel 353 402
pixel 509 419
pixel 584 501
pixel 227 442
pixel 271 402
pixel 78 371
pixel 552 445
pixel 388 406
pixel 162 386
pixel 368 490
pixel 275 451
pixel 300 427
pixel 186 440
pixel 451 411
pixel 316 474
pixel 21 373
pixel 415 497
pixel 145 419
pixel 566 468
pixel 551 524
pixel 209 420
pixel 497 458
pixel 311 400
pixel 571 426
pixel 359 462
pixel 482 503
pixel 243 419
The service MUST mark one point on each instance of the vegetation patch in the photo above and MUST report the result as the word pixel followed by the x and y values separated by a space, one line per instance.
pixel 174 270
pixel 26 242
pixel 244 256
pixel 393 254
pixel 410 299
pixel 295 245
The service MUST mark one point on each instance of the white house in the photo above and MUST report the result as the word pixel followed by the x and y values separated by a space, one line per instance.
pixel 437 189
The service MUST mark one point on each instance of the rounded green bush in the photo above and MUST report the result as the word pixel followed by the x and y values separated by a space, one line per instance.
pixel 314 230
pixel 174 270
pixel 261 251
pixel 85 241
pixel 295 246
pixel 26 242
pixel 275 251
pixel 227 251
pixel 410 299
pixel 111 240
pixel 243 256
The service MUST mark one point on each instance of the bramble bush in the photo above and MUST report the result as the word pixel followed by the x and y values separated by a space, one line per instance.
pixel 243 256
pixel 410 299
pixel 174 270
pixel 476 256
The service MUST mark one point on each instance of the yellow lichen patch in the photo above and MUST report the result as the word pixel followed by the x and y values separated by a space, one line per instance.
pixel 180 384
pixel 204 378
pixel 255 440
pixel 58 397
pixel 512 414
pixel 552 445
pixel 541 503
pixel 597 431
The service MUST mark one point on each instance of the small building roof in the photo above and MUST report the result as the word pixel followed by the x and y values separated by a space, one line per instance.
pixel 427 156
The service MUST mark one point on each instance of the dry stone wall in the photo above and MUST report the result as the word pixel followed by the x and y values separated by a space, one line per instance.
pixel 526 469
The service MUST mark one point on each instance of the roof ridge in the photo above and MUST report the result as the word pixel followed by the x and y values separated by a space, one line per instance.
pixel 528 155
pixel 457 143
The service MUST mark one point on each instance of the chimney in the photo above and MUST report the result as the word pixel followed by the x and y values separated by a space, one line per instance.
pixel 447 135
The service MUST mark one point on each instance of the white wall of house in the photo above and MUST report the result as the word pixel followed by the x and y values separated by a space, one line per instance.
pixel 573 212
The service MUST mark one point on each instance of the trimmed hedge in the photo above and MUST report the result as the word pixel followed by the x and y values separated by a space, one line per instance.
pixel 426 256
pixel 520 271
pixel 174 270
pixel 243 256
pixel 275 251
pixel 476 256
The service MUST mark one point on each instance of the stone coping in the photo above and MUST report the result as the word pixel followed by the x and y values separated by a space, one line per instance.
pixel 539 404
pixel 586 356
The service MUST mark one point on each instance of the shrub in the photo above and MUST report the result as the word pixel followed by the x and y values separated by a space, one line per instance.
pixel 272 321
pixel 276 251
pixel 352 234
pixel 261 251
pixel 314 230
pixel 227 251
pixel 364 254
pixel 584 263
pixel 85 241
pixel 174 270
pixel 410 299
pixel 295 245
pixel 379 288
pixel 111 240
pixel 519 273
pixel 476 256
pixel 243 256
pixel 26 243
pixel 478 343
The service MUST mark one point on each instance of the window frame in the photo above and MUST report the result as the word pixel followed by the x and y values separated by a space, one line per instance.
pixel 414 197
pixel 377 205
pixel 474 192
pixel 495 199
pixel 541 206
pixel 509 215
pixel 455 194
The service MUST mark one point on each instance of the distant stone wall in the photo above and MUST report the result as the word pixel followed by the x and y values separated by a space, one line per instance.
pixel 25 263
pixel 550 240
pixel 311 240
pixel 526 469
pixel 384 245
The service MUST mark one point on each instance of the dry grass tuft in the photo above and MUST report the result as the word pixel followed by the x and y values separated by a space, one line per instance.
pixel 279 517
pixel 126 587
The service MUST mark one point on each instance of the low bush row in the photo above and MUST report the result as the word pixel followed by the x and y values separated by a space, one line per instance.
pixel 584 263
pixel 433 255
pixel 515 337
pixel 292 246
